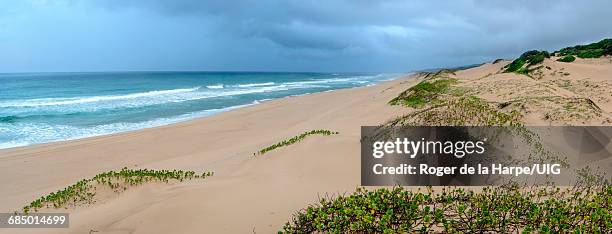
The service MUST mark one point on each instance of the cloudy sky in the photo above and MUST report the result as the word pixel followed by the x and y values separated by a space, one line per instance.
pixel 286 35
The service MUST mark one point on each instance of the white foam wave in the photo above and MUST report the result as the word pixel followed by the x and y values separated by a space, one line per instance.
pixel 24 133
pixel 137 100
pixel 13 144
pixel 218 86
pixel 82 100
pixel 354 79
pixel 36 133
pixel 255 84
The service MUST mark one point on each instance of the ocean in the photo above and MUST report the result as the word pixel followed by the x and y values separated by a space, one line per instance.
pixel 47 107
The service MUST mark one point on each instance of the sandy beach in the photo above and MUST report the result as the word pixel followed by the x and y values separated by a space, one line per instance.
pixel 247 193
pixel 260 193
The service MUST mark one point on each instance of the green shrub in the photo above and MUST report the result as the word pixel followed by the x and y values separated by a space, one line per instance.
pixel 593 50
pixel 494 210
pixel 515 65
pixel 530 58
pixel 567 59
pixel 596 53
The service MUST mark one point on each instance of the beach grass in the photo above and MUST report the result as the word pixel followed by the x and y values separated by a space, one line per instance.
pixel 422 93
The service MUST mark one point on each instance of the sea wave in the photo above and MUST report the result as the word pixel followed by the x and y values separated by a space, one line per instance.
pixel 256 84
pixel 36 133
pixel 9 119
pixel 82 100
pixel 351 79
pixel 217 86
pixel 177 95
pixel 42 120
pixel 29 107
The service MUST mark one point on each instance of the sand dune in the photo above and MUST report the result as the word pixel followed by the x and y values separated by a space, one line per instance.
pixel 557 94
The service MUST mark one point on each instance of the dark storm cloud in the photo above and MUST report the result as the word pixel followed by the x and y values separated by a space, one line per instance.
pixel 328 35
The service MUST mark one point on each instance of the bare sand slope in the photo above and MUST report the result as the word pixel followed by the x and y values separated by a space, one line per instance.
pixel 556 93
pixel 246 193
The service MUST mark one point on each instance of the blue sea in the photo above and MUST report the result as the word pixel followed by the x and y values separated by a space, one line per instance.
pixel 46 107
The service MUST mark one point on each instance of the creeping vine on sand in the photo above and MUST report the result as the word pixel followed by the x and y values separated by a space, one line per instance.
pixel 295 139
pixel 83 192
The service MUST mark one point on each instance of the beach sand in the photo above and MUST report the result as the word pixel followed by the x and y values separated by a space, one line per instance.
pixel 246 194
pixel 259 194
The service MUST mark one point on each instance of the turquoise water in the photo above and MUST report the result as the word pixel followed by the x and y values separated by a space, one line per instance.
pixel 47 107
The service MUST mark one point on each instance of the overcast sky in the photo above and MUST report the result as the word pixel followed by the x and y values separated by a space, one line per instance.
pixel 276 35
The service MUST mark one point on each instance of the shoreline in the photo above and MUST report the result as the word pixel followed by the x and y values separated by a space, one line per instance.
pixel 223 110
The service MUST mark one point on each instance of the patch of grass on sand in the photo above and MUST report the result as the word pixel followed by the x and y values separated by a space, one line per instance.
pixel 84 191
pixel 461 109
pixel 460 112
pixel 454 210
pixel 296 139
pixel 423 93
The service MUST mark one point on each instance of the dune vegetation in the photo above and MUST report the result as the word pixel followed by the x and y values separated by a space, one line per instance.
pixel 441 99
pixel 530 59
pixel 567 59
pixel 593 50
pixel 527 63
pixel 295 139
pixel 422 93
pixel 493 210
pixel 84 191
pixel 440 102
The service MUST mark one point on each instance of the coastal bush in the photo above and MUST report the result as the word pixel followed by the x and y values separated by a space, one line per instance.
pixel 422 93
pixel 596 53
pixel 493 210
pixel 529 58
pixel 85 190
pixel 567 59
pixel 296 139
pixel 593 50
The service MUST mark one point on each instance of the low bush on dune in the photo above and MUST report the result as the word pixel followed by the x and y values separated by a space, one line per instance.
pixel 567 59
pixel 296 139
pixel 526 60
pixel 593 50
pixel 523 64
pixel 498 61
pixel 85 190
pixel 494 210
